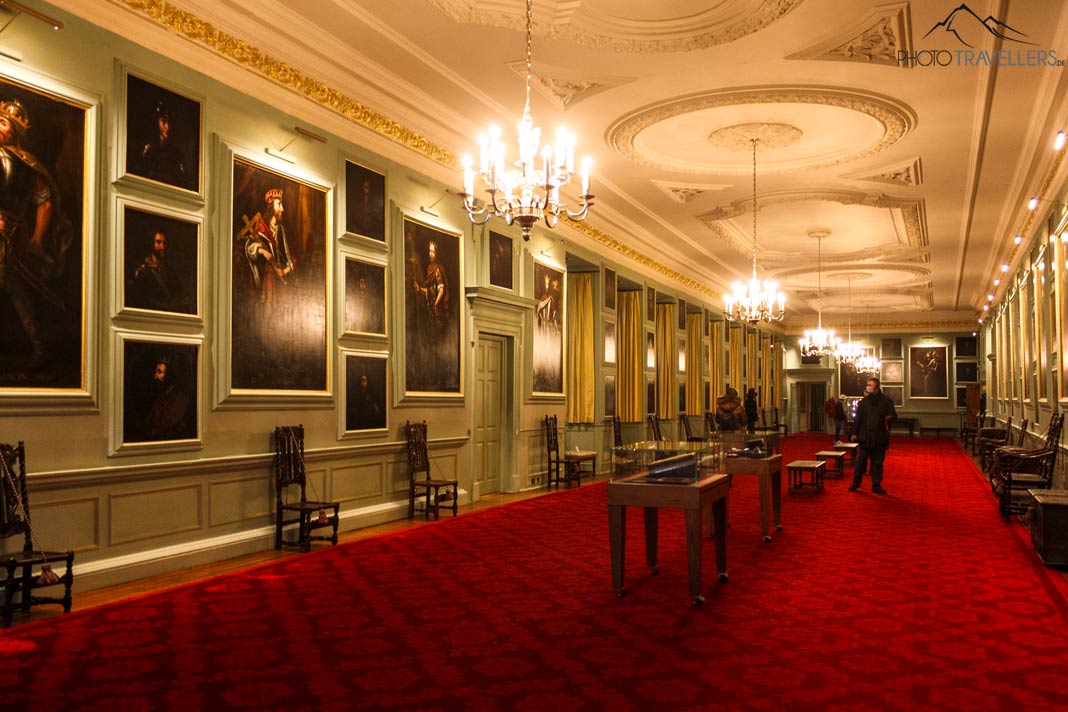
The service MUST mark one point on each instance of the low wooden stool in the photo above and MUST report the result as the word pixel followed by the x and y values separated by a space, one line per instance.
pixel 797 470
pixel 850 449
pixel 837 457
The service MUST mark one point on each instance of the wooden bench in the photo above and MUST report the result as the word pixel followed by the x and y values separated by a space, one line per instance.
pixel 848 448
pixel 837 458
pixel 797 471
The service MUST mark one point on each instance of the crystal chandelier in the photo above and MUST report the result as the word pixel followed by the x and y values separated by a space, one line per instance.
pixel 849 351
pixel 530 191
pixel 819 341
pixel 758 300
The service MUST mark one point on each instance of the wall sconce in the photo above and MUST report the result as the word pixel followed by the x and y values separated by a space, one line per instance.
pixel 280 153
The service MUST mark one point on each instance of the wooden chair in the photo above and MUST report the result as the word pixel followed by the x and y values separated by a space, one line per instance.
pixel 1018 470
pixel 568 466
pixel 20 582
pixel 990 439
pixel 654 426
pixel 970 427
pixel 439 491
pixel 687 431
pixel 710 423
pixel 289 472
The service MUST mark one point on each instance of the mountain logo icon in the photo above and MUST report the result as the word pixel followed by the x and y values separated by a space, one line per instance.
pixel 968 28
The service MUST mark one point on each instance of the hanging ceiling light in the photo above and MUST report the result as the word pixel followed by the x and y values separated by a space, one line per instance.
pixel 819 341
pixel 849 351
pixel 758 300
pixel 868 363
pixel 530 191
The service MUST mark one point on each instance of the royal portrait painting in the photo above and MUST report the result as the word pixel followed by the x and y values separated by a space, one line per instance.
pixel 160 258
pixel 432 309
pixel 500 261
pixel 162 135
pixel 43 148
pixel 365 392
pixel 365 297
pixel 365 200
pixel 159 391
pixel 928 372
pixel 548 330
pixel 279 282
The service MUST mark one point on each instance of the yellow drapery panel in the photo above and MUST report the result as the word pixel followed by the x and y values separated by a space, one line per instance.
pixel 667 361
pixel 767 388
pixel 630 350
pixel 734 378
pixel 777 356
pixel 715 360
pixel 580 376
pixel 752 362
pixel 694 381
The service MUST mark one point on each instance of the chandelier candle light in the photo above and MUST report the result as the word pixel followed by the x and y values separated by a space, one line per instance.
pixel 759 300
pixel 819 341
pixel 530 191
pixel 849 351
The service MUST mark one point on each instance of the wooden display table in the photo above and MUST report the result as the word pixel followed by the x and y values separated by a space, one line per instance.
pixel 708 495
pixel 849 449
pixel 837 458
pixel 769 474
pixel 797 470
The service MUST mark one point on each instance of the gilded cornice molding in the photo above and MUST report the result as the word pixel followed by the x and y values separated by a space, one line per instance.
pixel 237 50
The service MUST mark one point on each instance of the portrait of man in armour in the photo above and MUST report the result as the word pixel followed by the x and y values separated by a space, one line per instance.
pixel 431 309
pixel 365 198
pixel 160 262
pixel 162 135
pixel 42 180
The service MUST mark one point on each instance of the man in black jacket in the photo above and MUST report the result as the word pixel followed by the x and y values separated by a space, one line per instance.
pixel 871 430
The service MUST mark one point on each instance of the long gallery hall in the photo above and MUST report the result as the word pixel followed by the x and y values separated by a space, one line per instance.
pixel 530 354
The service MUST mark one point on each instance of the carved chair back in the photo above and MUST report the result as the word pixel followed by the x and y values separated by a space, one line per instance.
pixel 418 460
pixel 654 426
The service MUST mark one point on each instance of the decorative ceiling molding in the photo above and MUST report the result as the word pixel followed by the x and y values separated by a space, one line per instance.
pixel 875 38
pixel 740 137
pixel 202 32
pixel 683 193
pixel 907 173
pixel 896 118
pixel 581 21
pixel 561 86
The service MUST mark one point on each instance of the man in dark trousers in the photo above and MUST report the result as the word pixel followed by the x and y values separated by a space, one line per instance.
pixel 871 430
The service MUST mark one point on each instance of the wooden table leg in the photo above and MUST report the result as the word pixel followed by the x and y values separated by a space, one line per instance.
pixel 719 516
pixel 693 554
pixel 617 538
pixel 765 495
pixel 652 532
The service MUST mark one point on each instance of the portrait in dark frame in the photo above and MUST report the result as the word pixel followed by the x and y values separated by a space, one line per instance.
pixel 162 135
pixel 928 372
pixel 609 288
pixel 893 372
pixel 432 309
pixel 682 314
pixel 650 396
pixel 160 260
pixel 967 346
pixel 365 201
pixel 159 392
pixel 609 395
pixel 548 329
pixel 650 304
pixel 279 310
pixel 966 371
pixel 891 348
pixel 962 397
pixel 501 264
pixel 609 341
pixel 850 382
pixel 682 397
pixel 43 144
pixel 894 393
pixel 365 393
pixel 365 297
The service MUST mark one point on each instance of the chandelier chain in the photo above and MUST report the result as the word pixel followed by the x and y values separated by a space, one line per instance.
pixel 530 55
pixel 755 142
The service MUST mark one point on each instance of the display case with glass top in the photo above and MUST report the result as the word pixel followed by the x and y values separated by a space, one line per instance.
pixel 666 462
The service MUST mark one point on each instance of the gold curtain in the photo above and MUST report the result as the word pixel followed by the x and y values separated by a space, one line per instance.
pixel 752 362
pixel 580 376
pixel 667 361
pixel 694 377
pixel 630 350
pixel 767 390
pixel 735 335
pixel 715 360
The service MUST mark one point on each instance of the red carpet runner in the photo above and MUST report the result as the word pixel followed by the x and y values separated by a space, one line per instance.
pixel 922 599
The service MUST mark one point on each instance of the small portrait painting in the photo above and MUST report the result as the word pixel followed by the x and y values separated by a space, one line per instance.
pixel 548 329
pixel 365 297
pixel 162 135
pixel 891 348
pixel 682 397
pixel 893 372
pixel 159 392
pixel 365 201
pixel 432 309
pixel 501 264
pixel 850 382
pixel 160 256
pixel 928 372
pixel 279 299
pixel 650 304
pixel 894 393
pixel 43 148
pixel 650 350
pixel 682 314
pixel 966 371
pixel 967 346
pixel 650 396
pixel 609 395
pixel 609 288
pixel 609 341
pixel 365 392
pixel 962 397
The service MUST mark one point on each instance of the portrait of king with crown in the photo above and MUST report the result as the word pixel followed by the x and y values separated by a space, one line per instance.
pixel 42 181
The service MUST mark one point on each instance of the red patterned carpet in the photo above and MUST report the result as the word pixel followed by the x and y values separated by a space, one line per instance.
pixel 922 599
